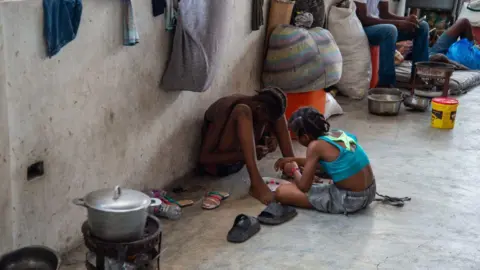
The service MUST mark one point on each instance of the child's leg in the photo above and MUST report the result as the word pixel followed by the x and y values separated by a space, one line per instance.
pixel 289 194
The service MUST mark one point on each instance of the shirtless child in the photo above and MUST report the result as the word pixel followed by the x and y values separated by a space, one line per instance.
pixel 232 134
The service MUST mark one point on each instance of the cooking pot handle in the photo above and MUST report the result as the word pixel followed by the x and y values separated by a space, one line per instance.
pixel 79 202
pixel 155 202
pixel 117 192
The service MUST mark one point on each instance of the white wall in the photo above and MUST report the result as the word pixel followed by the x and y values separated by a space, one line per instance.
pixel 6 228
pixel 95 114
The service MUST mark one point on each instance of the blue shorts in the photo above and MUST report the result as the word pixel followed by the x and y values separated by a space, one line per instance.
pixel 442 45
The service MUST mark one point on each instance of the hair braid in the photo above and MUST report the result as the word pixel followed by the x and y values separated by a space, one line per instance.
pixel 308 120
pixel 274 99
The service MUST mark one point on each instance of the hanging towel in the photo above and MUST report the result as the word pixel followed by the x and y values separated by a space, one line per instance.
pixel 130 33
pixel 200 37
pixel 158 7
pixel 171 12
pixel 61 22
pixel 257 14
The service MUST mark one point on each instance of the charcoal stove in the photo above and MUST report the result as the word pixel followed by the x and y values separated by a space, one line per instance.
pixel 142 254
pixel 435 74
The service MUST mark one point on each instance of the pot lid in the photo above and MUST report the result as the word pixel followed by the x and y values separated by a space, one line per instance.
pixel 117 200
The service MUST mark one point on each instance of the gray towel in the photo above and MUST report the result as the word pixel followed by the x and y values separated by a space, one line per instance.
pixel 130 33
pixel 197 45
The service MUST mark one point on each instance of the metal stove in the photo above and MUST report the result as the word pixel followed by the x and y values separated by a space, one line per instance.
pixel 143 254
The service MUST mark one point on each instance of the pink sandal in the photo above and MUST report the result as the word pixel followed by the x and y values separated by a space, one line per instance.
pixel 213 199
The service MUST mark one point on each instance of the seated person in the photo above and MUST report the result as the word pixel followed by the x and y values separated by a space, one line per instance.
pixel 461 29
pixel 385 30
pixel 339 154
pixel 232 132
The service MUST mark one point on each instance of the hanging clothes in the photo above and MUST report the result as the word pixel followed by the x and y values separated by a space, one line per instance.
pixel 158 7
pixel 200 37
pixel 130 33
pixel 257 14
pixel 171 12
pixel 61 22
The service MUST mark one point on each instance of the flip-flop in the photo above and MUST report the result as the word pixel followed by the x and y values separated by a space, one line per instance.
pixel 276 214
pixel 244 227
pixel 213 199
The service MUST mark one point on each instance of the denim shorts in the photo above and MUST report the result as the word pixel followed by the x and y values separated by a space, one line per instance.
pixel 442 45
pixel 330 199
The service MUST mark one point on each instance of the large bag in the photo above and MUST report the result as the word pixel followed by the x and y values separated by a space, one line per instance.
pixel 300 60
pixel 348 32
pixel 471 11
pixel 465 53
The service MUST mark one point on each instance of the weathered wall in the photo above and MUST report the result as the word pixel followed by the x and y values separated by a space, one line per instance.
pixel 6 229
pixel 95 114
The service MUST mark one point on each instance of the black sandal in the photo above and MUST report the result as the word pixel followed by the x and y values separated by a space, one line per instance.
pixel 394 201
pixel 276 214
pixel 244 227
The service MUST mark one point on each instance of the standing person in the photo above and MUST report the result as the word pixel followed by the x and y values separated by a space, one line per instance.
pixel 385 29
pixel 339 154
pixel 233 131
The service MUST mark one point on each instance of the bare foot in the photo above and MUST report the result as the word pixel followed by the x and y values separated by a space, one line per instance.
pixel 262 193
pixel 444 59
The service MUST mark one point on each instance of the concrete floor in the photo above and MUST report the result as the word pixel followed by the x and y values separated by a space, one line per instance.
pixel 438 229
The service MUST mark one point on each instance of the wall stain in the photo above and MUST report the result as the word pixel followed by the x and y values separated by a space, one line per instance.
pixel 112 116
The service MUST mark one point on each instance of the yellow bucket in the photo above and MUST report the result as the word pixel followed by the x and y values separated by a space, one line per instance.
pixel 444 111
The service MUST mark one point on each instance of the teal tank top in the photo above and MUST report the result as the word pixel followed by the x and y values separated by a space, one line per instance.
pixel 349 161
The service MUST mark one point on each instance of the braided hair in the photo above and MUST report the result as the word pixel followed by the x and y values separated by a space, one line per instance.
pixel 275 101
pixel 310 121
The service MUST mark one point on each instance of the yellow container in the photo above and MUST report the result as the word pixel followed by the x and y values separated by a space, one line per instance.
pixel 444 111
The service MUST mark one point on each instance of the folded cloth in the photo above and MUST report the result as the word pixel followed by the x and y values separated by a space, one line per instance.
pixel 61 22
pixel 158 7
pixel 130 33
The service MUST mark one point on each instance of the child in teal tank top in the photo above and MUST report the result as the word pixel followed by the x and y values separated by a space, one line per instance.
pixel 337 153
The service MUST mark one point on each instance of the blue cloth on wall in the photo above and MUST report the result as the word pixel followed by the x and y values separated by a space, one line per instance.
pixel 61 22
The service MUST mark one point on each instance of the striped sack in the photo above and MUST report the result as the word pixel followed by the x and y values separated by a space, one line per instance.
pixel 301 60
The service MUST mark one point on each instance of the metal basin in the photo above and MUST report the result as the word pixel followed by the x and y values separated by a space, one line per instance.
pixel 417 103
pixel 384 101
pixel 30 258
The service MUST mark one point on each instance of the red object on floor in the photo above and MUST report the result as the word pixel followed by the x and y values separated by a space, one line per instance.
pixel 476 32
pixel 375 54
pixel 316 99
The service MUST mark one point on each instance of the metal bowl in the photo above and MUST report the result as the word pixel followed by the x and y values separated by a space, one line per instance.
pixel 30 258
pixel 417 103
pixel 384 101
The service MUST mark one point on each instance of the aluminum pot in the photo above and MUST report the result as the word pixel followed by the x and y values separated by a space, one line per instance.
pixel 117 215
pixel 384 101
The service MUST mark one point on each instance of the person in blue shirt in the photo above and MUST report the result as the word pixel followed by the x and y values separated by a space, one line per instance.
pixel 336 152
